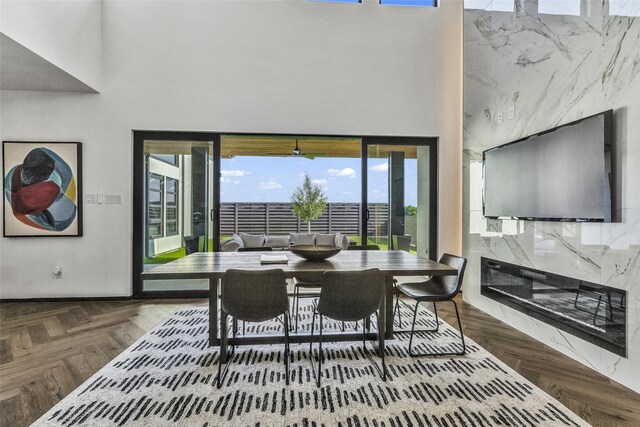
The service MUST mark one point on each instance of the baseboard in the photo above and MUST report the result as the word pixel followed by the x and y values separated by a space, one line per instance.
pixel 64 299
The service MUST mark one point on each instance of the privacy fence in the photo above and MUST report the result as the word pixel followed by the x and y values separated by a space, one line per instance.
pixel 278 218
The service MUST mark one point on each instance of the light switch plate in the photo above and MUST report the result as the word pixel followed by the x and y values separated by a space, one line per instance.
pixel 113 199
pixel 90 198
pixel 99 198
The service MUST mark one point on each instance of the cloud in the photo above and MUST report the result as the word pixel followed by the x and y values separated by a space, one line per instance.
pixel 232 181
pixel 342 172
pixel 382 167
pixel 319 181
pixel 234 172
pixel 270 185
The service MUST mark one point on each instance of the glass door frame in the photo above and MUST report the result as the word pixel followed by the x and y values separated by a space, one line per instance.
pixel 139 199
pixel 432 143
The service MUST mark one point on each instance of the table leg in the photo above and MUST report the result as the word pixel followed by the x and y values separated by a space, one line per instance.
pixel 388 307
pixel 213 312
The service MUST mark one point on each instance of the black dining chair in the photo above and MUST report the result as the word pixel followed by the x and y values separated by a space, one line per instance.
pixel 395 281
pixel 350 296
pixel 252 296
pixel 436 289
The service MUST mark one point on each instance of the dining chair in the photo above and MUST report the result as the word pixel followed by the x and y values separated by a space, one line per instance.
pixel 436 289
pixel 350 296
pixel 252 296
pixel 396 310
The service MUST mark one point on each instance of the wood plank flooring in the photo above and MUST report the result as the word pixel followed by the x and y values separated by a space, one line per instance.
pixel 47 349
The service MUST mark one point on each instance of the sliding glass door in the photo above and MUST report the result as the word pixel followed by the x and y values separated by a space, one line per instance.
pixel 175 196
pixel 400 194
pixel 192 190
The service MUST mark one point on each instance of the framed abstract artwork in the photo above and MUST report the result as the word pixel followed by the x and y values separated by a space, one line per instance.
pixel 42 184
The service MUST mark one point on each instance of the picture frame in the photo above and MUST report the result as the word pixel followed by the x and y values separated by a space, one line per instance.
pixel 42 189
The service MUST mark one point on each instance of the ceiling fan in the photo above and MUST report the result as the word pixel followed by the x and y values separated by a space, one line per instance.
pixel 296 152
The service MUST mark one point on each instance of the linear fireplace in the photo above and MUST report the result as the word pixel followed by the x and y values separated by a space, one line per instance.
pixel 591 311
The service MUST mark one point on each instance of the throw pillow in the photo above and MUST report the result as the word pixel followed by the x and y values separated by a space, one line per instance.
pixel 302 239
pixel 278 242
pixel 230 246
pixel 326 239
pixel 252 240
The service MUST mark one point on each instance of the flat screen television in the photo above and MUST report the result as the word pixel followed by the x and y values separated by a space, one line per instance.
pixel 562 174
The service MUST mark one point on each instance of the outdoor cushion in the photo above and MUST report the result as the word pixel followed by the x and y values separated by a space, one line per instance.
pixel 252 240
pixel 302 239
pixel 230 246
pixel 277 241
pixel 326 239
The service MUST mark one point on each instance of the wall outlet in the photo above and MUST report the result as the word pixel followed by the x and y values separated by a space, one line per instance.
pixel 499 118
pixel 512 112
pixel 90 198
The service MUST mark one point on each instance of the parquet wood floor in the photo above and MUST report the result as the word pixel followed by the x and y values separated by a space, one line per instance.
pixel 47 349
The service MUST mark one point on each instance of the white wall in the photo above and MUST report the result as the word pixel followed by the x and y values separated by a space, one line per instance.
pixel 66 33
pixel 555 69
pixel 273 67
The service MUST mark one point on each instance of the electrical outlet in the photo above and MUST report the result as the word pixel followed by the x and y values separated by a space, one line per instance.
pixel 512 112
pixel 499 118
pixel 90 198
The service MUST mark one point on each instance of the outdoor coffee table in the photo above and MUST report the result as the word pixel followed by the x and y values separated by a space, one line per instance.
pixel 213 265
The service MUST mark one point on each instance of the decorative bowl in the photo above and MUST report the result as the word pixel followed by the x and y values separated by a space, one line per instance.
pixel 314 253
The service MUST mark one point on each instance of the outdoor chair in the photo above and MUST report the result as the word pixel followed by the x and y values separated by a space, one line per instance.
pixel 252 296
pixel 258 249
pixel 436 289
pixel 350 296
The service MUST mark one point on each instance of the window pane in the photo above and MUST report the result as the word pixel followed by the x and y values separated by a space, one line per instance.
pixel 172 214
pixel 172 228
pixel 154 182
pixel 421 3
pixel 171 199
pixel 154 197
pixel 504 5
pixel 167 158
pixel 172 185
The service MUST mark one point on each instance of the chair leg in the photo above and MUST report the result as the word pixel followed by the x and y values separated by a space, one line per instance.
pixel 382 372
pixel 287 356
pixel 296 303
pixel 451 353
pixel 396 309
pixel 222 374
pixel 413 323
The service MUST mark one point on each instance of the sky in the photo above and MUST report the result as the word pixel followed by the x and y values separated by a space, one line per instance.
pixel 273 179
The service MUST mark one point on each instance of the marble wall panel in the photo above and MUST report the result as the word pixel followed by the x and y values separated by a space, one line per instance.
pixel 555 69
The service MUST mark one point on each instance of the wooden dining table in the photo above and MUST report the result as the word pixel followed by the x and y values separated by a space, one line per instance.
pixel 213 266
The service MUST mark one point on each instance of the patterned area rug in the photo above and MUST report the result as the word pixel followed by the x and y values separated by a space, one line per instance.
pixel 168 378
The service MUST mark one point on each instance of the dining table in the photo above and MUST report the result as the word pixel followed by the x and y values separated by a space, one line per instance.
pixel 213 266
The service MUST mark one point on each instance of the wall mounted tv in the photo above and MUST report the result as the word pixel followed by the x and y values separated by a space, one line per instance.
pixel 562 174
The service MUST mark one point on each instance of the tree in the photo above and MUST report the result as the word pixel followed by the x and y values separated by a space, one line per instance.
pixel 410 210
pixel 308 201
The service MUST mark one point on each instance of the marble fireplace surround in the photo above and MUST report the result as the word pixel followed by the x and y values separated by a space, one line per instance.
pixel 554 69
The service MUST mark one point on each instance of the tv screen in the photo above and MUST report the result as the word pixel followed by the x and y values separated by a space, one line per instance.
pixel 563 174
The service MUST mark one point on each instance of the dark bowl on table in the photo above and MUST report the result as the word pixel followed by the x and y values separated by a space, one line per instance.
pixel 313 252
